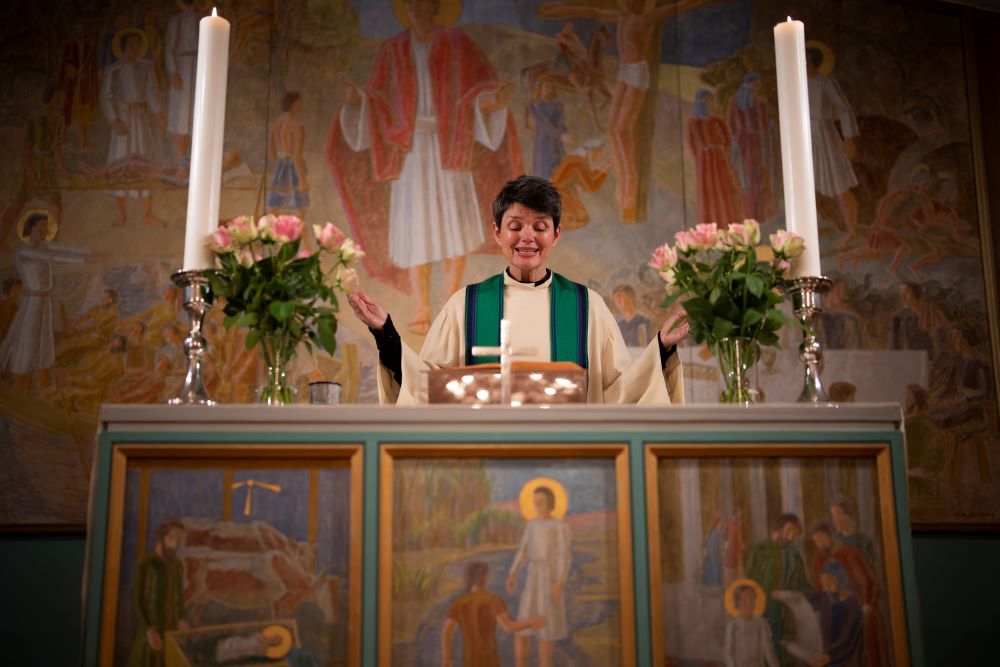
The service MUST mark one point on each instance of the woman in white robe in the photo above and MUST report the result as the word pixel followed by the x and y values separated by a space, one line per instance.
pixel 526 236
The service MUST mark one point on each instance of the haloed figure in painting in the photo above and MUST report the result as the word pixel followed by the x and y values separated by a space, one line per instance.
pixel 748 636
pixel 475 614
pixel 544 552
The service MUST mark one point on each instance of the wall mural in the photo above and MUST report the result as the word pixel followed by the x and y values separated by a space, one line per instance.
pixel 649 116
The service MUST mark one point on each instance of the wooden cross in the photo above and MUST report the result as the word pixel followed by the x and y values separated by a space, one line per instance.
pixel 506 352
pixel 251 484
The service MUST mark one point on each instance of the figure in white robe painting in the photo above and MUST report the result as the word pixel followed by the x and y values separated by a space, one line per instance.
pixel 544 554
pixel 418 152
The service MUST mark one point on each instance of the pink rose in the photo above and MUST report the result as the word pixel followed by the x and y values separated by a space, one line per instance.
pixel 669 276
pixel 349 280
pixel 246 257
pixel 328 236
pixel 220 241
pixel 742 235
pixel 264 224
pixel 784 265
pixel 684 241
pixel 285 229
pixel 787 244
pixel 664 257
pixel 704 236
pixel 349 251
pixel 242 230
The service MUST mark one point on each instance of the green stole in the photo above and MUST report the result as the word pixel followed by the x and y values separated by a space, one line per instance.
pixel 569 313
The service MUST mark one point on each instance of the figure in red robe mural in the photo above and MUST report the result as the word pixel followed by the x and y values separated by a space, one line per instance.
pixel 418 153
pixel 750 125
pixel 78 78
pixel 709 143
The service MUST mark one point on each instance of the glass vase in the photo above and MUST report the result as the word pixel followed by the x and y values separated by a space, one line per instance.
pixel 276 351
pixel 736 357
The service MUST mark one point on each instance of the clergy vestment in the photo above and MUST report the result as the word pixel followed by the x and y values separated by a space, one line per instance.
pixel 612 375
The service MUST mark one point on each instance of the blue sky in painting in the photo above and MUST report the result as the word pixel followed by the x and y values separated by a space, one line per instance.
pixel 701 36
pixel 590 483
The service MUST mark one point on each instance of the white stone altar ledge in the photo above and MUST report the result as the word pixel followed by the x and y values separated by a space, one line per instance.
pixel 695 417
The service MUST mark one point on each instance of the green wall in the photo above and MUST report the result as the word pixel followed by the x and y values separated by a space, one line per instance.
pixel 958 577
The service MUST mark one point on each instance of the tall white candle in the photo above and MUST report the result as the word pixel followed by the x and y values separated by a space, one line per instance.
pixel 206 140
pixel 796 143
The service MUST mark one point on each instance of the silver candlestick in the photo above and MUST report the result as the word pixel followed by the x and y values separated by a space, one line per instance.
pixel 197 301
pixel 805 292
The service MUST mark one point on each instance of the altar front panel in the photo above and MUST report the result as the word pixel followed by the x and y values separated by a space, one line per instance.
pixel 648 501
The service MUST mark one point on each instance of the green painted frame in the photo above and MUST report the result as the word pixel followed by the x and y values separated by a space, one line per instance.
pixel 371 442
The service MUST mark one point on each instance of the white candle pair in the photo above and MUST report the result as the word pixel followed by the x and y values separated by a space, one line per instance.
pixel 796 143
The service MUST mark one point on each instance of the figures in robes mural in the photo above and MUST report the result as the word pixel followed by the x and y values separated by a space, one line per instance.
pixel 419 151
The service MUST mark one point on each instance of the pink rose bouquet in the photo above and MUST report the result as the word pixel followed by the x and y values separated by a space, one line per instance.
pixel 283 292
pixel 730 289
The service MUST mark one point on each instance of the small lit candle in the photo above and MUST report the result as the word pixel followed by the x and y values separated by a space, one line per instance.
pixel 205 181
pixel 796 143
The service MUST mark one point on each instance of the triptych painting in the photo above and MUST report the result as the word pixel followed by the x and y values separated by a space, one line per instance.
pixel 524 554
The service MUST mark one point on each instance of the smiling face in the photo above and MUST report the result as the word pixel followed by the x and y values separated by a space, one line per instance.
pixel 526 237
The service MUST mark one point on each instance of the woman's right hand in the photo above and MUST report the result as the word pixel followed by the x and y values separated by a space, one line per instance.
pixel 370 313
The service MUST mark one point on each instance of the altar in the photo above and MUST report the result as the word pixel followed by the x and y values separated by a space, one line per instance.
pixel 369 529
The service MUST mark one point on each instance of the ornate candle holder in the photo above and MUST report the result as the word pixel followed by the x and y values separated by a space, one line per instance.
pixel 197 301
pixel 805 292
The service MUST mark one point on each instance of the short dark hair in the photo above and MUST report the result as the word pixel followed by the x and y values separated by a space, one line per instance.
pixel 550 497
pixel 785 519
pixel 164 529
pixel 823 527
pixel 289 99
pixel 475 574
pixel 113 293
pixel 533 192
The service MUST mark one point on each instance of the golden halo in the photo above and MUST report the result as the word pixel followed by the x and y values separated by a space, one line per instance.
pixel 526 500
pixel 448 12
pixel 116 42
pixel 730 603
pixel 279 650
pixel 829 60
pixel 52 219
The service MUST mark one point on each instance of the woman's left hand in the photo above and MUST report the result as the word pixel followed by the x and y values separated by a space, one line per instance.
pixel 671 335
